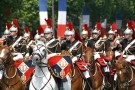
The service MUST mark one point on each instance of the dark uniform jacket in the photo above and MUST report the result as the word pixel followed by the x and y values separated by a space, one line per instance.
pixel 54 47
pixel 10 40
pixel 77 51
pixel 91 44
pixel 131 49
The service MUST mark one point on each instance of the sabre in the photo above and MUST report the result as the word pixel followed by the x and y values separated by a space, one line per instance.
pixel 29 43
pixel 17 41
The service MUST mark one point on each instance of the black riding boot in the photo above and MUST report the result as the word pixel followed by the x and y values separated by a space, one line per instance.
pixel 89 81
pixel 60 84
pixel 107 75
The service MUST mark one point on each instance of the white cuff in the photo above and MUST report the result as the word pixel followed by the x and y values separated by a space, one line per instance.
pixel 27 55
pixel 74 59
pixel 117 53
pixel 96 56
pixel 130 57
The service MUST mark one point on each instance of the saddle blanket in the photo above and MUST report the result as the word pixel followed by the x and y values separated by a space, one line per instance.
pixel 60 65
pixel 24 69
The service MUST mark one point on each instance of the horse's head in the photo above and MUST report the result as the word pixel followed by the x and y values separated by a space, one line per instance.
pixel 88 54
pixel 39 54
pixel 122 70
pixel 5 55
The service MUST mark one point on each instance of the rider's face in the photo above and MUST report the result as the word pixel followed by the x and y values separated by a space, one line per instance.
pixel 111 36
pixel 95 35
pixel 13 33
pixel 69 37
pixel 48 35
pixel 84 35
pixel 127 36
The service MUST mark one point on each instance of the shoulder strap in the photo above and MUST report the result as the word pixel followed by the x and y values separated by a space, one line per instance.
pixel 131 43
pixel 74 46
pixel 50 42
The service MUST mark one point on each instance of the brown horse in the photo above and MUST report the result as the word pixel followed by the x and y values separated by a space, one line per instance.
pixel 10 79
pixel 77 81
pixel 126 75
pixel 97 77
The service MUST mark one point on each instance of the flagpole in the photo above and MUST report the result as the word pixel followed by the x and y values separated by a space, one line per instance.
pixel 53 18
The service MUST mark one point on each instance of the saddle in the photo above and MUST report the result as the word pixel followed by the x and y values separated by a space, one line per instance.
pixel 101 62
pixel 81 65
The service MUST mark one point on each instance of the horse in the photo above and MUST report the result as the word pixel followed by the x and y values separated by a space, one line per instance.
pixel 97 77
pixel 75 74
pixel 10 80
pixel 126 74
pixel 42 78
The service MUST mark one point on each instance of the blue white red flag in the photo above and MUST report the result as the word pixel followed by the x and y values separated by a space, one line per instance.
pixel 43 14
pixel 60 65
pixel 86 16
pixel 24 69
pixel 62 6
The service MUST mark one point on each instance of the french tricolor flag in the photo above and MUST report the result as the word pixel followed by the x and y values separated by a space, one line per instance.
pixel 62 6
pixel 86 16
pixel 119 22
pixel 43 14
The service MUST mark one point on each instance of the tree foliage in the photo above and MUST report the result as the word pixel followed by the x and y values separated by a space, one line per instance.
pixel 27 11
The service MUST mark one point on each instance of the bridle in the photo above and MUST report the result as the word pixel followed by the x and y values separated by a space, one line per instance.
pixel 126 83
pixel 41 56
pixel 41 65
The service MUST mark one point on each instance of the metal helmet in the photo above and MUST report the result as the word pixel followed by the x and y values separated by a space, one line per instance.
pixel 70 32
pixel 37 36
pixel 111 32
pixel 65 33
pixel 128 31
pixel 96 31
pixel 6 32
pixel 48 30
pixel 13 29
pixel 26 34
pixel 84 32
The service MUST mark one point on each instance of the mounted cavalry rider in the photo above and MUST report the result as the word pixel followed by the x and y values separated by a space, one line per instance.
pixel 52 44
pixel 85 34
pixel 7 31
pixel 74 46
pixel 98 44
pixel 128 43
pixel 112 37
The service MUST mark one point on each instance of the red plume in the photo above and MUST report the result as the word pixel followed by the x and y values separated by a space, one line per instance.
pixel 85 27
pixel 114 27
pixel 130 24
pixel 8 25
pixel 49 22
pixel 70 25
pixel 26 29
pixel 15 22
pixel 40 30
pixel 98 26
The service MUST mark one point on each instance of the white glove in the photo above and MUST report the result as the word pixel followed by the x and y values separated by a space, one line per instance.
pixel 130 57
pixel 117 53
pixel 74 59
pixel 96 56
pixel 19 56
pixel 27 55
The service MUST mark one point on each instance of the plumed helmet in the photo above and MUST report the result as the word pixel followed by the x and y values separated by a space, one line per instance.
pixel 128 31
pixel 13 29
pixel 84 32
pixel 37 36
pixel 129 27
pixel 70 30
pixel 48 29
pixel 113 29
pixel 6 32
pixel 27 33
pixel 97 28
